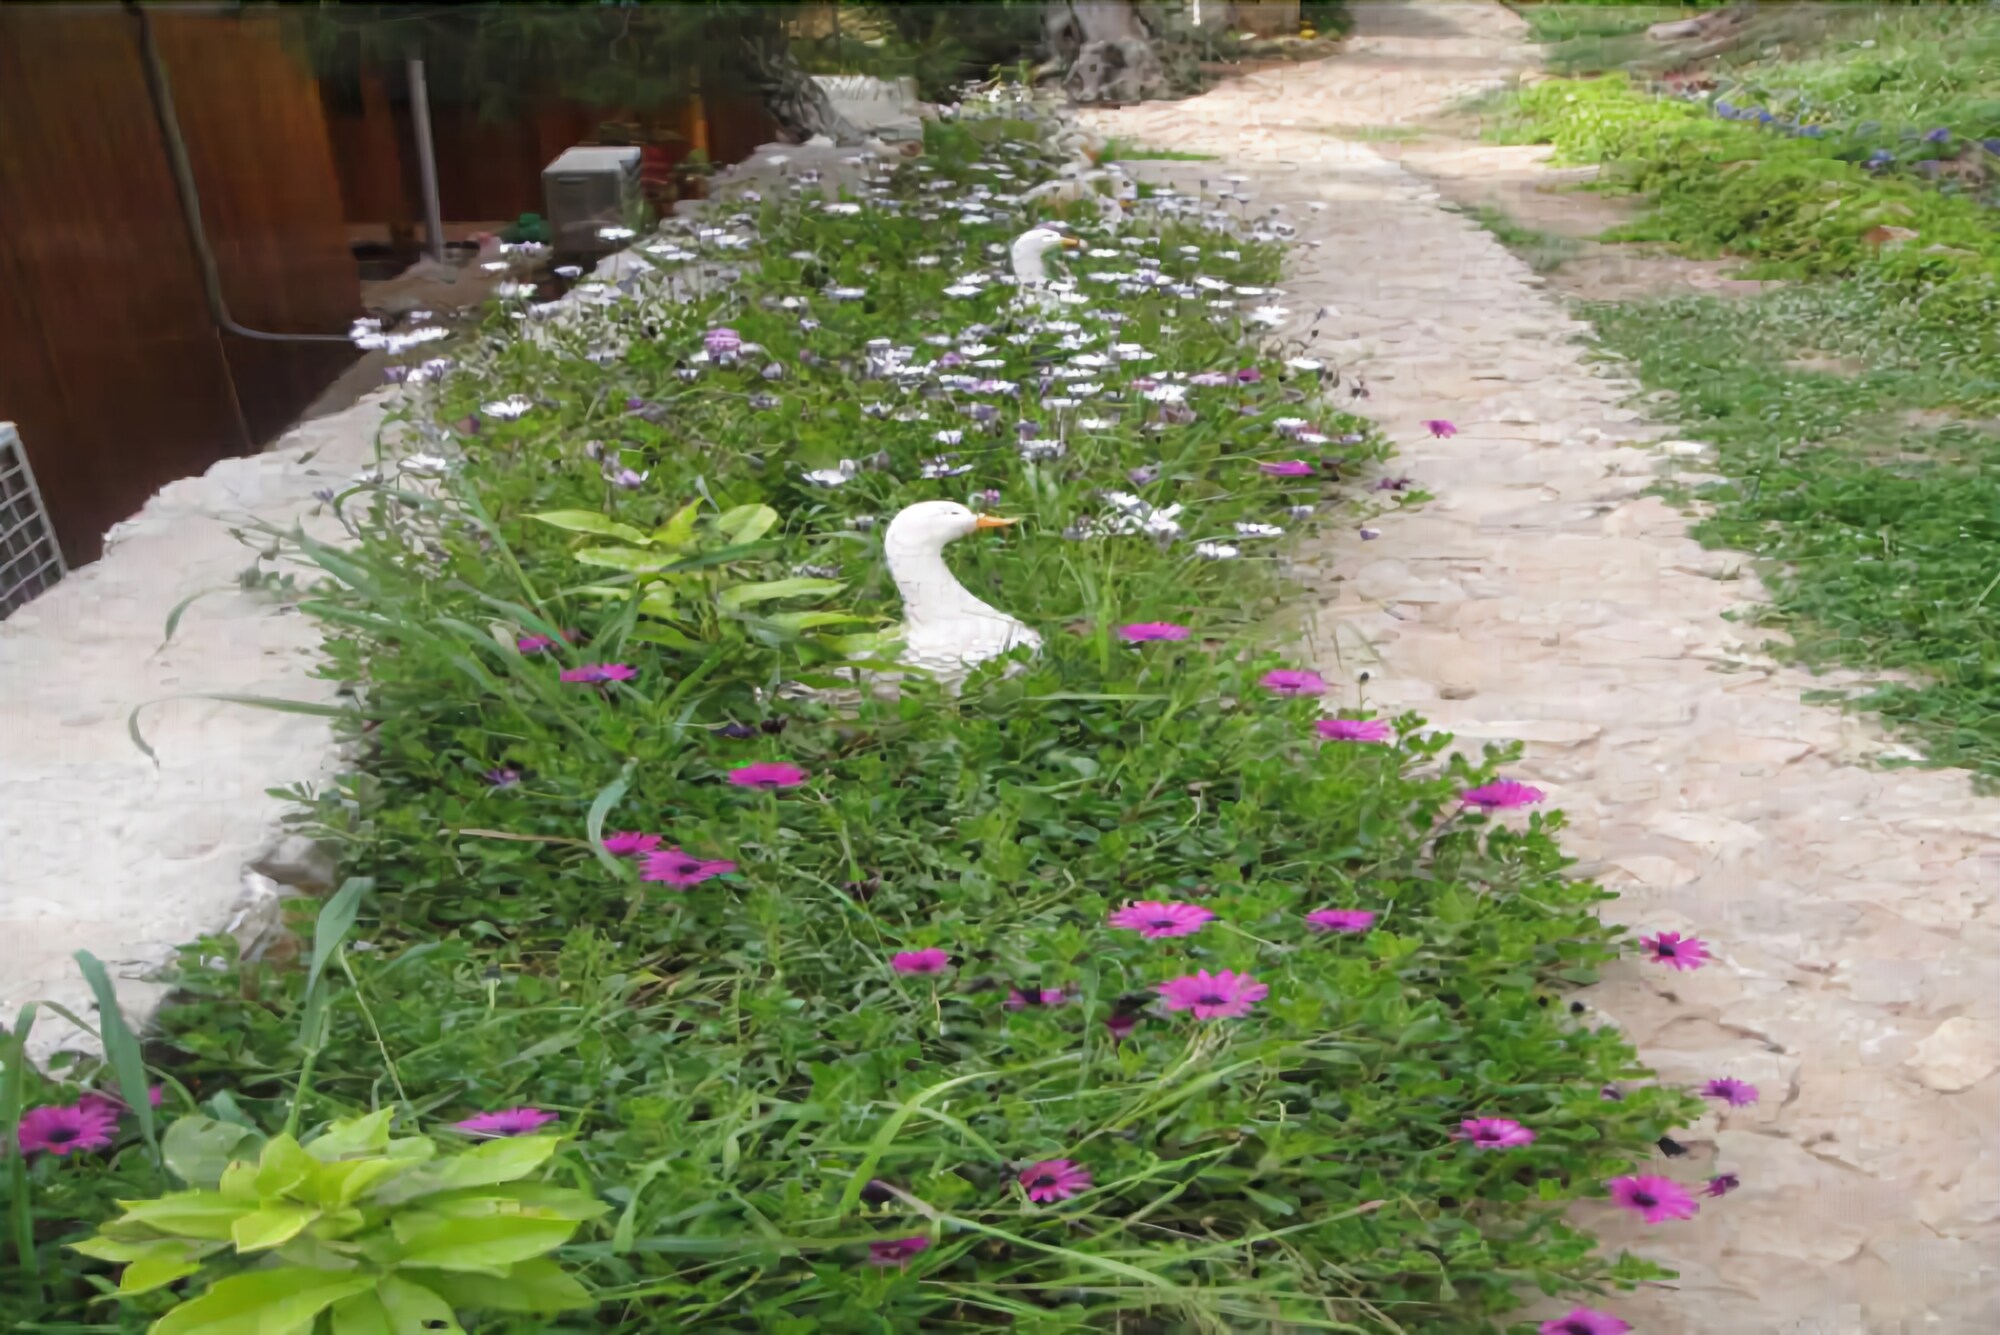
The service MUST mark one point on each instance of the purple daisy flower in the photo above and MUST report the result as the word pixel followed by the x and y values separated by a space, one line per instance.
pixel 1653 1199
pixel 1735 1093
pixel 896 1251
pixel 1286 468
pixel 1017 1000
pixel 1501 794
pixel 591 673
pixel 501 777
pixel 1353 730
pixel 66 1131
pixel 1341 920
pixel 630 843
pixel 721 343
pixel 1153 919
pixel 535 644
pixel 1440 428
pixel 1145 632
pixel 1054 1180
pixel 1721 1185
pixel 680 869
pixel 1585 1321
pixel 768 774
pixel 930 960
pixel 512 1122
pixel 1214 996
pixel 1493 1133
pixel 1293 681
pixel 1677 952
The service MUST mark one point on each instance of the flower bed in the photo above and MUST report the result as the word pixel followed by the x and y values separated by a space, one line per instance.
pixel 1126 988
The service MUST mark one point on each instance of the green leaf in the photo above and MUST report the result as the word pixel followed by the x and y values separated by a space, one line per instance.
pixel 20 1206
pixel 263 1302
pixel 678 532
pixel 143 1276
pixel 804 621
pixel 625 558
pixel 121 1046
pixel 336 920
pixel 503 1160
pixel 282 1166
pixel 414 1309
pixel 273 1226
pixel 352 1136
pixel 530 1286
pixel 593 828
pixel 666 635
pixel 745 595
pixel 198 1148
pixel 746 523
pixel 589 521
pixel 341 1184
pixel 541 1199
pixel 482 1244
pixel 659 602
pixel 191 1214
pixel 363 1314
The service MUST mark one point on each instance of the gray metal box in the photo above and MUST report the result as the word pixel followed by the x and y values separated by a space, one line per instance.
pixel 587 189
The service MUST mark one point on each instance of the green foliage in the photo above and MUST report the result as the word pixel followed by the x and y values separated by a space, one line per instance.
pixel 377 1234
pixel 1795 207
pixel 739 1059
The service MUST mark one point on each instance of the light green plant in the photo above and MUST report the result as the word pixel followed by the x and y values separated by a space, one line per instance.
pixel 688 594
pixel 354 1232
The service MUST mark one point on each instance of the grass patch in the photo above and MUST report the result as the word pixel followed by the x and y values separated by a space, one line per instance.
pixel 1870 487
pixel 1376 134
pixel 1121 150
pixel 1545 252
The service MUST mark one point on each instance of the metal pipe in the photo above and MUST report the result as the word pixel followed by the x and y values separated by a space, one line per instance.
pixel 190 198
pixel 427 171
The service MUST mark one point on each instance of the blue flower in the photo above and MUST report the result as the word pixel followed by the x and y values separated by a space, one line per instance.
pixel 1991 146
pixel 1725 110
pixel 1938 136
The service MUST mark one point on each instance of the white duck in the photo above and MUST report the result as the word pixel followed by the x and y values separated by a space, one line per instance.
pixel 1029 248
pixel 946 631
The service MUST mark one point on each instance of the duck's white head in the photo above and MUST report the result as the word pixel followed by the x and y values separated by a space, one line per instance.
pixel 1029 248
pixel 928 526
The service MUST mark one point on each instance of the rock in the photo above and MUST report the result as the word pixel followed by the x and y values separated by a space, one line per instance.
pixel 890 111
pixel 1887 237
pixel 1959 1054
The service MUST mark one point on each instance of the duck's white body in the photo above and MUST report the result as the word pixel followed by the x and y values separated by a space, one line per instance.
pixel 946 631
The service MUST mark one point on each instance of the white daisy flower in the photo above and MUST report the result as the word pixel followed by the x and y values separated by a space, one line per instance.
pixel 1216 551
pixel 514 405
pixel 1247 530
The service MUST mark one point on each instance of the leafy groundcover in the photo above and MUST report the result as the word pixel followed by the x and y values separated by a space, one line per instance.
pixel 842 1008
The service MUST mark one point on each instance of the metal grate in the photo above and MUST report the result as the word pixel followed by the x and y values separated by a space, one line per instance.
pixel 30 561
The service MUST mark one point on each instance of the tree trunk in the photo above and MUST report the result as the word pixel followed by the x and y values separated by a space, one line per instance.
pixel 1107 48
pixel 798 104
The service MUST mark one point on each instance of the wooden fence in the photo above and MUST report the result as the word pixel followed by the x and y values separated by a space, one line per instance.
pixel 109 360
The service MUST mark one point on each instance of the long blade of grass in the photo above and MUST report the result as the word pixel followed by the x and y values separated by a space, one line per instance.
pixel 608 797
pixel 121 1047
pixel 231 698
pixel 336 920
pixel 13 1100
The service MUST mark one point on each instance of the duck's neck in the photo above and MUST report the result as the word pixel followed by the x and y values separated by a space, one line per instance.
pixel 931 593
pixel 1028 267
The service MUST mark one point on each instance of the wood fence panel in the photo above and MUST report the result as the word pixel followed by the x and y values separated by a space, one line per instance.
pixel 108 360
pixel 271 207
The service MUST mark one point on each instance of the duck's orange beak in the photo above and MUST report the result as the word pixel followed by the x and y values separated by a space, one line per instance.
pixel 993 521
pixel 1070 243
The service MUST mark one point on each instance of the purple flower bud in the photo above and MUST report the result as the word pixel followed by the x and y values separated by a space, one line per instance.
pixel 1249 375
pixel 393 375
pixel 722 343
pixel 1026 430
pixel 633 403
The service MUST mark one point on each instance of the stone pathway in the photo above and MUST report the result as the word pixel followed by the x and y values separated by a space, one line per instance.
pixel 1542 597
pixel 99 849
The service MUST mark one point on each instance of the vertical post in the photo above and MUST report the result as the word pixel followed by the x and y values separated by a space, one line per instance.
pixel 420 121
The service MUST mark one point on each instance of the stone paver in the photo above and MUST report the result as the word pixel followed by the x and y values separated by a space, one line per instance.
pixel 1540 597
pixel 99 850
